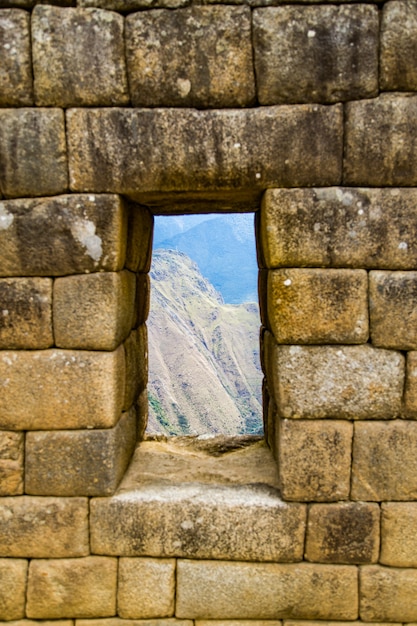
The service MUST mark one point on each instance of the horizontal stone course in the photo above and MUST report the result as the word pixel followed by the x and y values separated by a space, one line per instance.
pixel 398 534
pixel 62 235
pixel 398 46
pixel 267 146
pixel 11 463
pixel 16 87
pixel 221 590
pixel 339 227
pixel 146 588
pixel 13 575
pixel 388 594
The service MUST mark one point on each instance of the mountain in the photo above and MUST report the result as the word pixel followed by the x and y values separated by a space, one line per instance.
pixel 222 245
pixel 204 372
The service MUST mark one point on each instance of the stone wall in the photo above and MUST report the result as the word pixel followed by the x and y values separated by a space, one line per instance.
pixel 111 111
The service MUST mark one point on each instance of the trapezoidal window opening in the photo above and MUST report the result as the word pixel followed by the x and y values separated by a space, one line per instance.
pixel 204 367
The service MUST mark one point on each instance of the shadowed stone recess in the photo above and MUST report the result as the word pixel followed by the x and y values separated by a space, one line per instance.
pixel 16 67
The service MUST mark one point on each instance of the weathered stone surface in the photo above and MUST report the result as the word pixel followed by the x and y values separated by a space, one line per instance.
pixel 410 396
pixel 216 41
pixel 133 5
pixel 329 623
pixel 136 357
pixel 94 311
pixel 241 622
pixel 381 141
pixel 398 46
pixel 25 313
pixel 310 306
pixel 62 235
pixel 72 588
pixel 143 298
pixel 339 227
pixel 57 389
pixel 388 594
pixel 343 533
pixel 265 147
pixel 44 527
pixel 79 463
pixel 350 382
pixel 11 463
pixel 28 4
pixel 221 590
pixel 116 621
pixel 15 72
pixel 393 309
pixel 146 588
pixel 384 465
pixel 398 534
pixel 78 57
pixel 29 622
pixel 314 460
pixel 33 159
pixel 139 244
pixel 13 574
pixel 316 54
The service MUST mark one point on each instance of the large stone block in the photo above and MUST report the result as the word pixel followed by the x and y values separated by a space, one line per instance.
pixel 78 57
pixel 388 594
pixel 63 235
pixel 13 574
pixel 16 71
pixel 221 590
pixel 410 395
pixel 11 463
pixel 384 465
pixel 381 141
pixel 33 158
pixel 398 534
pixel 316 54
pixel 393 309
pixel 311 306
pixel 146 588
pixel 133 5
pixel 136 351
pixel 265 147
pixel 116 621
pixel 216 41
pixel 314 460
pixel 79 463
pixel 398 46
pixel 139 244
pixel 339 227
pixel 26 313
pixel 60 389
pixel 94 311
pixel 72 588
pixel 343 533
pixel 44 527
pixel 350 382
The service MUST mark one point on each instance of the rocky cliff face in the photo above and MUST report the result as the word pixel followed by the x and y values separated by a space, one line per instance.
pixel 203 354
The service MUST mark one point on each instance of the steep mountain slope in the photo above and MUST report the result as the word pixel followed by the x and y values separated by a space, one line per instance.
pixel 203 354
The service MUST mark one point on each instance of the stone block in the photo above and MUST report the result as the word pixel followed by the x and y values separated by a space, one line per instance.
pixel 60 389
pixel 381 141
pixel 143 298
pixel 63 235
pixel 384 465
pixel 93 311
pixel 240 622
pixel 142 411
pixel 136 356
pixel 339 227
pixel 44 527
pixel 216 41
pixel 11 463
pixel 116 621
pixel 16 87
pixel 349 382
pixel 146 588
pixel 316 54
pixel 398 46
pixel 265 147
pixel 222 590
pixel 314 460
pixel 133 5
pixel 79 463
pixel 343 533
pixel 388 594
pixel 139 244
pixel 25 313
pixel 398 534
pixel 329 623
pixel 29 622
pixel 313 306
pixel 13 573
pixel 393 309
pixel 78 57
pixel 33 158
pixel 72 588
pixel 410 395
